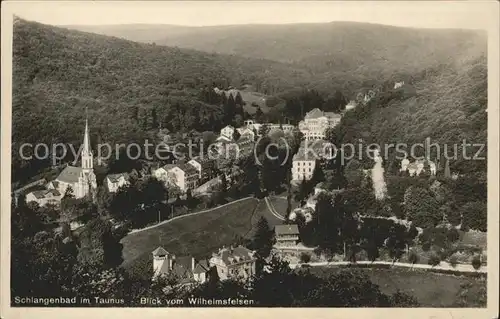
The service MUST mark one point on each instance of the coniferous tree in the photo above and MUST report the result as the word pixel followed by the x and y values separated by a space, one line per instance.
pixel 154 118
pixel 229 110
pixel 318 174
pixel 262 241
pixel 239 104
pixel 259 115
pixel 236 135
pixel 223 182
pixel 447 173
pixel 302 193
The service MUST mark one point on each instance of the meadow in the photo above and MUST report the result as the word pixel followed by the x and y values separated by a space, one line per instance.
pixel 197 235
pixel 430 289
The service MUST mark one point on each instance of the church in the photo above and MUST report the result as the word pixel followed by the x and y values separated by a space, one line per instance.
pixel 82 180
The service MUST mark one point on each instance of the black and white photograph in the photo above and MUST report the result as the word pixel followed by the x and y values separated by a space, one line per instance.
pixel 250 155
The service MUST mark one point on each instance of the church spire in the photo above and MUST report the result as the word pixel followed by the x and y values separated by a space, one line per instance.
pixel 87 161
pixel 86 140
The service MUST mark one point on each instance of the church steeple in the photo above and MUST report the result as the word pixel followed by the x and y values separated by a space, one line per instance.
pixel 87 160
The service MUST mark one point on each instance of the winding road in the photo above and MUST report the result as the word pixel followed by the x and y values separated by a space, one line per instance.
pixel 273 210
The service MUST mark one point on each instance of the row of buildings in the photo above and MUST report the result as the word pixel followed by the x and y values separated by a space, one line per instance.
pixel 236 263
pixel 82 179
pixel 229 263
pixel 251 130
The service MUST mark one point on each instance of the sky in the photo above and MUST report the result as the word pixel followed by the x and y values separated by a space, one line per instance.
pixel 425 14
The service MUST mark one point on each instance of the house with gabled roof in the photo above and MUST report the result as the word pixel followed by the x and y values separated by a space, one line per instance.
pixel 184 176
pixel 45 197
pixel 227 132
pixel 286 235
pixel 205 167
pixel 185 269
pixel 115 181
pixel 234 263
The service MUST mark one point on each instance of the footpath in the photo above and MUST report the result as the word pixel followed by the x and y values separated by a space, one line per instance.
pixel 443 266
pixel 184 216
pixel 273 211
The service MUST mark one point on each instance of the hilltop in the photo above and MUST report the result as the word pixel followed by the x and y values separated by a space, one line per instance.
pixel 336 46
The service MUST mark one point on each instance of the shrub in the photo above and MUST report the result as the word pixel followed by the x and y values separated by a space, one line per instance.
pixel 426 246
pixel 434 260
pixel 445 253
pixel 305 258
pixel 413 257
pixel 476 262
pixel 453 261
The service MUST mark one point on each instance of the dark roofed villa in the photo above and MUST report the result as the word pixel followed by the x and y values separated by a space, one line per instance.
pixel 286 235
pixel 186 269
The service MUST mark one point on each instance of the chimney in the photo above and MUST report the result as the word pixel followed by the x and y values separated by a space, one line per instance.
pixel 192 264
pixel 171 261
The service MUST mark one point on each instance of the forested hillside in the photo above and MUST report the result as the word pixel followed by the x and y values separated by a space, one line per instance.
pixel 448 104
pixel 60 70
pixel 128 88
pixel 358 48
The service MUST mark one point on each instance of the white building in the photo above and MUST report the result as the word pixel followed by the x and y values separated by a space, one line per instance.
pixel 397 85
pixel 284 127
pixel 247 133
pixel 196 163
pixel 404 165
pixel 304 162
pixel 316 122
pixel 252 125
pixel 351 105
pixel 417 167
pixel 115 181
pixel 184 176
pixel 227 132
pixel 303 166
pixel 234 263
pixel 45 197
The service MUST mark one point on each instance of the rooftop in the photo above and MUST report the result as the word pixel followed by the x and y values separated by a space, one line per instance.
pixel 42 193
pixel 160 251
pixel 317 113
pixel 286 229
pixel 235 255
pixel 114 178
pixel 188 168
pixel 70 174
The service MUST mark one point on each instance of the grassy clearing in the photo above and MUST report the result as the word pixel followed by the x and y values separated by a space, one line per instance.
pixel 259 99
pixel 280 204
pixel 197 235
pixel 430 289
